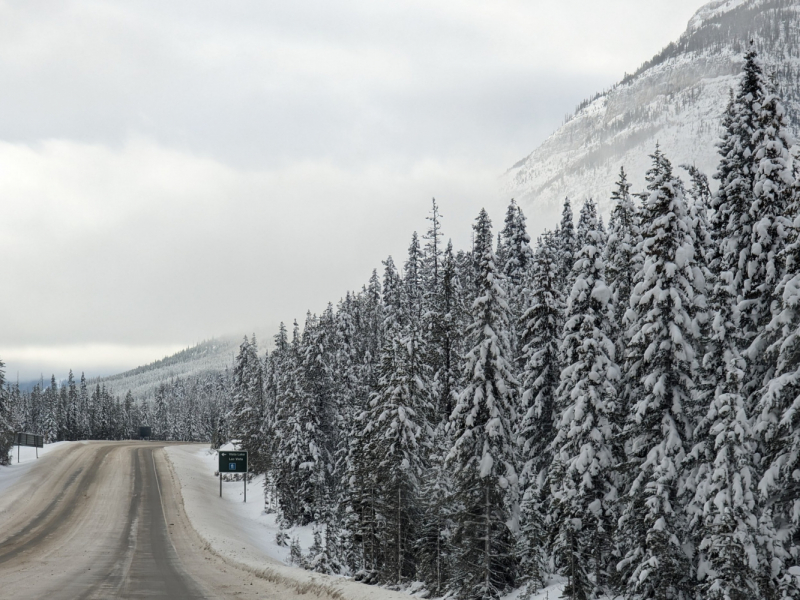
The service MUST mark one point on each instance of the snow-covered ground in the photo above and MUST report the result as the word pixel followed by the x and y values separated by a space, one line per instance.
pixel 247 522
pixel 246 533
pixel 551 592
pixel 9 475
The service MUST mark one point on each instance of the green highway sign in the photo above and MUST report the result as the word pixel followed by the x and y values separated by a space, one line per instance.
pixel 232 462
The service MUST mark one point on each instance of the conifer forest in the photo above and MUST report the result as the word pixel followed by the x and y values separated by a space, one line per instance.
pixel 616 404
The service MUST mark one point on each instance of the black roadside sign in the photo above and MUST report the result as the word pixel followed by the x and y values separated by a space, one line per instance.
pixel 30 439
pixel 232 462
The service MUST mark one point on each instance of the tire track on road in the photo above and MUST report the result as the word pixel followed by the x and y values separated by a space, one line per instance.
pixel 56 515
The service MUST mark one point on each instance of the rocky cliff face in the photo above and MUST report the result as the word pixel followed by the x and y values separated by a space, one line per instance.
pixel 676 99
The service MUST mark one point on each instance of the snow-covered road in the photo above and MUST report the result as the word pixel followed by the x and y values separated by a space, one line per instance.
pixel 106 520
pixel 102 520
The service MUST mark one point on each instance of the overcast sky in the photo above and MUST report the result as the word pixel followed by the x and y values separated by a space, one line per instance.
pixel 173 171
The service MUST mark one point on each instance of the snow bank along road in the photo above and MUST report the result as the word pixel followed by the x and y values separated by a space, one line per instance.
pixel 106 520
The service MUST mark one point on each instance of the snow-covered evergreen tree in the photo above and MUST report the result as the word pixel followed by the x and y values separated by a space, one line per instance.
pixel 433 548
pixel 622 258
pixel 84 410
pixel 661 364
pixel 71 413
pixel 447 336
pixel 541 370
pixel 773 192
pixel 734 200
pixel 732 559
pixel 318 350
pixel 483 457
pixel 777 422
pixel 514 244
pixel 567 246
pixel 582 475
pixel 587 223
pixel 50 421
pixel 540 335
pixel 247 409
pixel 6 428
pixel 735 554
pixel 395 429
pixel 297 463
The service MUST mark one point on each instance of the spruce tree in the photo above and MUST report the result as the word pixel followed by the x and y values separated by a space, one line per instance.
pixel 247 408
pixel 72 415
pixel 161 426
pixel 734 200
pixel 777 421
pixel 514 244
pixel 129 417
pixel 622 258
pixel 587 223
pixel 448 336
pixel 660 363
pixel 581 477
pixel 63 413
pixel 50 401
pixel 317 348
pixel 567 246
pixel 707 308
pixel 540 334
pixel 84 410
pixel 432 258
pixel 433 548
pixel 6 428
pixel 297 429
pixel 734 547
pixel 515 254
pixel 394 428
pixel 773 197
pixel 720 470
pixel 483 456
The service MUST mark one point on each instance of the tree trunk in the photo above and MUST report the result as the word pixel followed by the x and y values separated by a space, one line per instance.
pixel 399 550
pixel 488 545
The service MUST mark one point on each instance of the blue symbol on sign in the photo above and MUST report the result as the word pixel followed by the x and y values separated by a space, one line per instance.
pixel 232 466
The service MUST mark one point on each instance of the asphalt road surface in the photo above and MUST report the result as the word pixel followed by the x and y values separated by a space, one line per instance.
pixel 105 520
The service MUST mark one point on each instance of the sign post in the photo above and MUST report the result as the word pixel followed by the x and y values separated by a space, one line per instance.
pixel 29 439
pixel 233 462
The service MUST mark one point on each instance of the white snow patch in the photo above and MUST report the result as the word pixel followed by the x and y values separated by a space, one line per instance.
pixel 243 532
pixel 551 592
pixel 12 473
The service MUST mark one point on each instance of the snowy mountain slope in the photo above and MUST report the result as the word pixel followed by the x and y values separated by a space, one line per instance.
pixel 210 356
pixel 676 99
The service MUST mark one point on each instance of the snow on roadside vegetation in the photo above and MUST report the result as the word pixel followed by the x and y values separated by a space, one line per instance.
pixel 244 533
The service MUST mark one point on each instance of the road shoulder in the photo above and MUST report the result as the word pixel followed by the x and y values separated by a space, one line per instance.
pixel 228 538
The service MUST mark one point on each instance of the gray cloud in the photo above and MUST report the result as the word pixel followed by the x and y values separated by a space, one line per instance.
pixel 171 171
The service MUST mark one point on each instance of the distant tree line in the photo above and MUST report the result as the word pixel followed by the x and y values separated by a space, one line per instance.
pixel 191 410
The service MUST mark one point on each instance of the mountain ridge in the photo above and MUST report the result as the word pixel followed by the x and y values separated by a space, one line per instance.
pixel 676 98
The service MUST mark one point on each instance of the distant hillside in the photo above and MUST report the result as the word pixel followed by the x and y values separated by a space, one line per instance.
pixel 206 357
pixel 676 99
